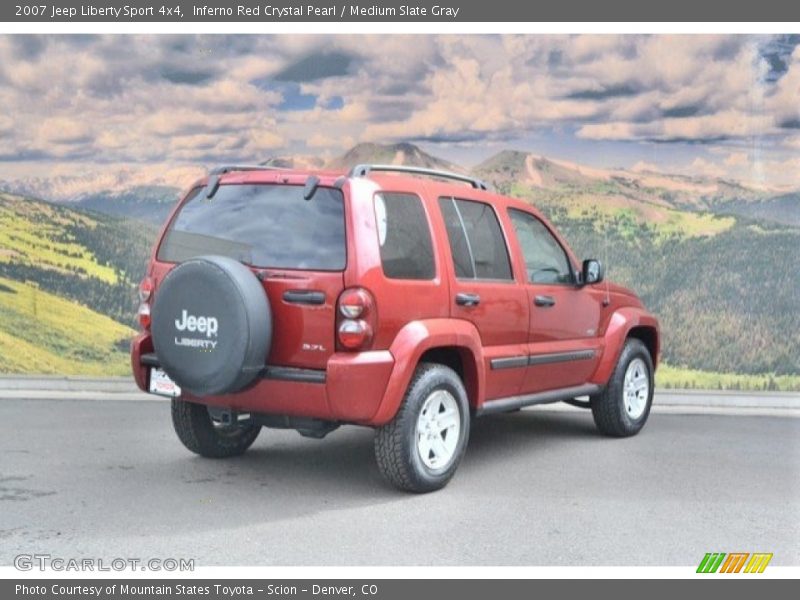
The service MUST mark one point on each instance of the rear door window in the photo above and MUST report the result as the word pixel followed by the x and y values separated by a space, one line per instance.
pixel 404 237
pixel 262 226
pixel 476 240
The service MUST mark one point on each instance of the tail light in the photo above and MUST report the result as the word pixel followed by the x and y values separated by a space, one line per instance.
pixel 355 322
pixel 145 289
pixel 144 315
pixel 145 294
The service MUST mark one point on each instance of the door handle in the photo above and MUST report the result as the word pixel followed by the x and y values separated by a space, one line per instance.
pixel 544 301
pixel 463 299
pixel 304 297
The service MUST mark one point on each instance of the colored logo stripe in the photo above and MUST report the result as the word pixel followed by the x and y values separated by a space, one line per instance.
pixel 758 562
pixel 734 562
pixel 711 562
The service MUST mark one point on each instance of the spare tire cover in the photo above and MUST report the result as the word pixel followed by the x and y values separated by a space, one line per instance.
pixel 211 325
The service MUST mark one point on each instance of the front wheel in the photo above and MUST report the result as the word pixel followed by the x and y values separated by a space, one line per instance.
pixel 621 410
pixel 420 449
pixel 205 436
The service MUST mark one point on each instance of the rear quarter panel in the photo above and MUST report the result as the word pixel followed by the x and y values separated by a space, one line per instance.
pixel 398 301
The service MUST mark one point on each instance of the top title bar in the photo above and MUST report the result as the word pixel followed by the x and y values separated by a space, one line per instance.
pixel 464 11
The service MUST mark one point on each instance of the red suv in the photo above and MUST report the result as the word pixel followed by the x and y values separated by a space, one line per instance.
pixel 399 298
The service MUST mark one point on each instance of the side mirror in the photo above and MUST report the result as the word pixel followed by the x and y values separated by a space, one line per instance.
pixel 592 271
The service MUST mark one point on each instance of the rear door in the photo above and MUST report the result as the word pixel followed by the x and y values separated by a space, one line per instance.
pixel 564 346
pixel 296 247
pixel 485 293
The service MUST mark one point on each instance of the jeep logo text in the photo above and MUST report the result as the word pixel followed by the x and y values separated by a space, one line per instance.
pixel 187 322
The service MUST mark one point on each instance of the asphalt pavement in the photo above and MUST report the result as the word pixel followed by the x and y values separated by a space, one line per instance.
pixel 93 478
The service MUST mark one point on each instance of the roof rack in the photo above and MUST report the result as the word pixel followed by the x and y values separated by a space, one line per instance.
pixel 222 169
pixel 365 169
pixel 214 174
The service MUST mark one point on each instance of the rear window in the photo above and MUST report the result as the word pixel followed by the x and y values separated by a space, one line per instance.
pixel 263 226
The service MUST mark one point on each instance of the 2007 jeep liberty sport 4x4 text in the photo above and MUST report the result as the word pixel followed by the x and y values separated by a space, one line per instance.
pixel 403 299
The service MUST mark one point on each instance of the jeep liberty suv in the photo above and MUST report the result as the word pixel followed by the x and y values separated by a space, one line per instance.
pixel 398 298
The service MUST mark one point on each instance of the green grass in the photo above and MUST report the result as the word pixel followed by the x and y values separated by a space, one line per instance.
pixel 46 334
pixel 668 377
pixel 664 223
pixel 694 224
pixel 35 233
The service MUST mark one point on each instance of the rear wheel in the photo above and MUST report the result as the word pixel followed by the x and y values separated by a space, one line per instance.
pixel 420 449
pixel 622 409
pixel 206 437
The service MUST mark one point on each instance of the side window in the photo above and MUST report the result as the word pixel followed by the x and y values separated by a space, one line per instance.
pixel 545 259
pixel 404 237
pixel 459 246
pixel 476 240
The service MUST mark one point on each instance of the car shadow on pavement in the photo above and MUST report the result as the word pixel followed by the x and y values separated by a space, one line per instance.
pixel 293 474
pixel 525 430
pixel 341 468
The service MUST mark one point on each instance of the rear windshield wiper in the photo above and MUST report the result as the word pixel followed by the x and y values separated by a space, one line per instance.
pixel 310 188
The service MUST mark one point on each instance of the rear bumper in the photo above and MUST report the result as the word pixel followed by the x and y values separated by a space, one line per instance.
pixel 349 390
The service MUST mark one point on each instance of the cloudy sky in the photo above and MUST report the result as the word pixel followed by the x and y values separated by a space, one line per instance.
pixel 711 105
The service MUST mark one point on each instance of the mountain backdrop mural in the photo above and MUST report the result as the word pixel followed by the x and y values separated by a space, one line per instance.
pixel 710 257
pixel 675 159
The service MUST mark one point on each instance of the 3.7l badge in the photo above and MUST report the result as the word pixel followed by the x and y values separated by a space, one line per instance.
pixel 313 347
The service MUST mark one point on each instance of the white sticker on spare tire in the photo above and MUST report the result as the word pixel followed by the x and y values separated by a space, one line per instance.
pixel 192 323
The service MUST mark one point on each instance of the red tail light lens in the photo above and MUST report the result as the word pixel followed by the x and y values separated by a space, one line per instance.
pixel 145 289
pixel 144 315
pixel 355 319
pixel 145 295
pixel 353 303
pixel 353 334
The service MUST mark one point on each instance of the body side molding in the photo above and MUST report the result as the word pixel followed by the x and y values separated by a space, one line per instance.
pixel 514 402
pixel 513 362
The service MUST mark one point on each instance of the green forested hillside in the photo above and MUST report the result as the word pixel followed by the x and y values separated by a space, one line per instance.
pixel 93 259
pixel 41 332
pixel 727 302
pixel 67 287
pixel 778 209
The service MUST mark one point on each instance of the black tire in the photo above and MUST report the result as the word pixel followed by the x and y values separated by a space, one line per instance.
pixel 202 436
pixel 396 450
pixel 609 407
